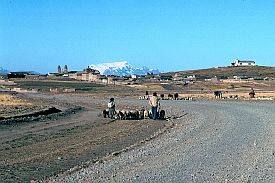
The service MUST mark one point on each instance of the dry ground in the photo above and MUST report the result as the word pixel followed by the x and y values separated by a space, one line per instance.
pixel 12 105
pixel 36 150
pixel 41 148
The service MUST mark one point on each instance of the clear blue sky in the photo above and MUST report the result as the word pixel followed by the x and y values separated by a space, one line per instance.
pixel 171 35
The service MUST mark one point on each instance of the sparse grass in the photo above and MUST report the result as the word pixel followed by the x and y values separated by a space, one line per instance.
pixel 45 85
pixel 147 87
pixel 9 100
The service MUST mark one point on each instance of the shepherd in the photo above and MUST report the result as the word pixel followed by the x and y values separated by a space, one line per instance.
pixel 111 107
pixel 154 103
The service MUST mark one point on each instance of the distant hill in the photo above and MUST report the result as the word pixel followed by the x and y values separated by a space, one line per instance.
pixel 224 72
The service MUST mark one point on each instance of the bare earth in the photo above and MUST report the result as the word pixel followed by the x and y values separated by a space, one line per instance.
pixel 46 146
pixel 214 140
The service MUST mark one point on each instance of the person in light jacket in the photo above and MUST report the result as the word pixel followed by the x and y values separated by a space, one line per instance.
pixel 111 107
pixel 154 103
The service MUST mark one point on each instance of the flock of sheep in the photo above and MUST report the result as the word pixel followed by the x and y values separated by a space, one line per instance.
pixel 133 114
pixel 143 114
pixel 168 97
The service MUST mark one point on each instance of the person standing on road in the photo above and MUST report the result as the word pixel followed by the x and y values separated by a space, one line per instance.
pixel 154 103
pixel 111 107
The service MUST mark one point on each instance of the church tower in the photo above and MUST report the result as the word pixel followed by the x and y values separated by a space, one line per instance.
pixel 59 69
pixel 65 69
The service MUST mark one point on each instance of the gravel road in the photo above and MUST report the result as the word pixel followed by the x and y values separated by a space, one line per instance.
pixel 217 141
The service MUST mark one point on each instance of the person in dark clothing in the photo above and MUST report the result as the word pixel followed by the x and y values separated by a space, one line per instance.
pixel 252 93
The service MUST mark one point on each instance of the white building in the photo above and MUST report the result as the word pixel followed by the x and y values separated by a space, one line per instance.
pixel 238 62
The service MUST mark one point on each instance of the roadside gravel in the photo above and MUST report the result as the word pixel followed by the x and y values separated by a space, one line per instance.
pixel 216 141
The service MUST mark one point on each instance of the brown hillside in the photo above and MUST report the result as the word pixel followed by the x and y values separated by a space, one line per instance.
pixel 224 72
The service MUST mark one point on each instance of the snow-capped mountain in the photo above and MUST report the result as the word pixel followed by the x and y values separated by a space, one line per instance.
pixel 122 69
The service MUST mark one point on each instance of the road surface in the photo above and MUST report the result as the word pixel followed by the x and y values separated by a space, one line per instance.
pixel 216 141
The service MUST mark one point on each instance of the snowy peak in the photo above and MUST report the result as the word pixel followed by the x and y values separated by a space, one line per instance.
pixel 105 66
pixel 3 71
pixel 121 69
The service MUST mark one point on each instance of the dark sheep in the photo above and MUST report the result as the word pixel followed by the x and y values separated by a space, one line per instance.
pixel 161 114
pixel 132 115
pixel 176 96
pixel 121 115
pixel 170 95
pixel 105 113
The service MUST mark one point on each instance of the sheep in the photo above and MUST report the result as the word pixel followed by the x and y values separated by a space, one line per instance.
pixel 105 113
pixel 170 96
pixel 141 114
pixel 133 114
pixel 127 115
pixel 120 115
pixel 145 97
pixel 146 114
pixel 161 114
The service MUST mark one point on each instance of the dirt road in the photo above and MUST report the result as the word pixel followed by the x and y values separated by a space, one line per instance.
pixel 216 142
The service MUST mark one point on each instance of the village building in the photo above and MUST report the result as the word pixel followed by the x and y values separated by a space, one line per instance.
pixel 69 90
pixel 238 62
pixel 178 77
pixel 213 80
pixel 134 76
pixel 191 77
pixel 94 77
pixel 72 74
pixel 90 70
pixel 77 75
pixel 36 76
pixel 111 79
pixel 19 74
pixel 166 77
pixel 85 76
pixel 243 77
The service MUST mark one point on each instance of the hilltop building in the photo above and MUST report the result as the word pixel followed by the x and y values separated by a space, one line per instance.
pixel 238 62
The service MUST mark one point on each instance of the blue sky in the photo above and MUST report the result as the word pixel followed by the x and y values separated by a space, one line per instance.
pixel 169 35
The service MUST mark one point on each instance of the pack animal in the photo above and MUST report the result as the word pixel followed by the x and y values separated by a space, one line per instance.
pixel 218 94
pixel 176 96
